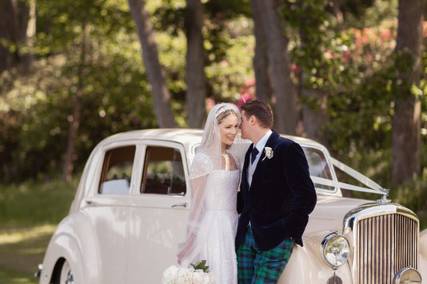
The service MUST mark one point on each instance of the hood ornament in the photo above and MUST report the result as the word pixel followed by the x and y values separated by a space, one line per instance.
pixel 384 199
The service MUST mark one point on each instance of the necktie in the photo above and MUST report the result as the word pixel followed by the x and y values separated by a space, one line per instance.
pixel 254 153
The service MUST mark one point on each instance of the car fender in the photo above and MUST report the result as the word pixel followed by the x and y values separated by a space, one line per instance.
pixel 422 266
pixel 307 265
pixel 74 240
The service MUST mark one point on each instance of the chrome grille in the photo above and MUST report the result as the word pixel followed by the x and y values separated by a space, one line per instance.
pixel 384 245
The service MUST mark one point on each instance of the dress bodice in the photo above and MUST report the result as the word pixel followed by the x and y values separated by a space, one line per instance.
pixel 221 190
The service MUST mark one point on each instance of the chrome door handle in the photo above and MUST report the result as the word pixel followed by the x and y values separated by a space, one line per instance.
pixel 90 202
pixel 180 205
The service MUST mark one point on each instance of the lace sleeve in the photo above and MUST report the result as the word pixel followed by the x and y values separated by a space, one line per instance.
pixel 199 170
pixel 200 166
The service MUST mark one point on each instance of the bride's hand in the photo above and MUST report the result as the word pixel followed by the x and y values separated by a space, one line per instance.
pixel 185 249
pixel 180 256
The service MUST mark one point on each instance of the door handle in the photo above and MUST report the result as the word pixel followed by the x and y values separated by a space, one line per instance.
pixel 180 205
pixel 90 202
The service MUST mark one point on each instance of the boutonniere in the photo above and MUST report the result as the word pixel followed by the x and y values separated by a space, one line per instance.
pixel 268 153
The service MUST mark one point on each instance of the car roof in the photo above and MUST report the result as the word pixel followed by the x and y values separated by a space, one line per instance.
pixel 185 136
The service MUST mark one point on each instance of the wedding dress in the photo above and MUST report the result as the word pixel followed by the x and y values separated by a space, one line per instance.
pixel 217 229
pixel 212 222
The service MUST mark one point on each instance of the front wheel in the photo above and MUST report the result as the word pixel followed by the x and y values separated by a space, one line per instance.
pixel 66 276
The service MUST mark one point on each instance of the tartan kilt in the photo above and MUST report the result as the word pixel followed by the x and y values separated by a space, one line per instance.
pixel 262 267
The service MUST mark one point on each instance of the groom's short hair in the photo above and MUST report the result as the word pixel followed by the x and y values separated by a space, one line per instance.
pixel 260 110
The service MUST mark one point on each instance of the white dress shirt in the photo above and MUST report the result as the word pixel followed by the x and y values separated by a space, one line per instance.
pixel 260 146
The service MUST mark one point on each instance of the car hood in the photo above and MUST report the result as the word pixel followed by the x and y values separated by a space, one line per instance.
pixel 329 213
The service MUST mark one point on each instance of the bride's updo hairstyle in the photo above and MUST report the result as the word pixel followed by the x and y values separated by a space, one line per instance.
pixel 222 115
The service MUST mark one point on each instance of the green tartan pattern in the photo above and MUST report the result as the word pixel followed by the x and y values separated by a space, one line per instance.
pixel 261 267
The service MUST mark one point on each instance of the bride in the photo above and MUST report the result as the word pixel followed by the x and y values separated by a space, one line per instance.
pixel 214 177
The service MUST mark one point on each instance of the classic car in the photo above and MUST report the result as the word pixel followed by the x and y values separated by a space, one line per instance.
pixel 131 205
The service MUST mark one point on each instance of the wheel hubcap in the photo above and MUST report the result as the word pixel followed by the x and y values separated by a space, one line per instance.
pixel 70 278
pixel 67 276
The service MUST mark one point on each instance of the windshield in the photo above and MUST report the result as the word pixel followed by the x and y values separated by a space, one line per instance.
pixel 318 167
pixel 317 163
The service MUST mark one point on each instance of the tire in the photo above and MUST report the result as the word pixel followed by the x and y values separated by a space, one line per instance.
pixel 66 276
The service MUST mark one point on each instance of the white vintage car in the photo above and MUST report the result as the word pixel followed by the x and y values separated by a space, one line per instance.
pixel 129 215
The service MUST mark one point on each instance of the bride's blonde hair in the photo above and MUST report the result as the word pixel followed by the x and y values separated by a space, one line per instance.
pixel 220 118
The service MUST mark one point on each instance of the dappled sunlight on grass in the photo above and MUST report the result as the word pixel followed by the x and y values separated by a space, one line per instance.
pixel 29 214
pixel 32 251
pixel 21 250
pixel 8 277
pixel 35 203
pixel 12 236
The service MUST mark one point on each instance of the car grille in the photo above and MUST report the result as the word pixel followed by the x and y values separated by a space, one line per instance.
pixel 385 245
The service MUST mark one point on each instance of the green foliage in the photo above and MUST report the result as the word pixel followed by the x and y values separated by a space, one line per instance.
pixel 114 97
pixel 201 265
pixel 413 195
pixel 35 202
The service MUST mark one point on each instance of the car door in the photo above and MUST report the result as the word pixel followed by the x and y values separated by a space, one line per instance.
pixel 108 211
pixel 159 212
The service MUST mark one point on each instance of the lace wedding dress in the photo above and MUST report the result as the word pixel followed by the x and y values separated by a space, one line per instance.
pixel 217 229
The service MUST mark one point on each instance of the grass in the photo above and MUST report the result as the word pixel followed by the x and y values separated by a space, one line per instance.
pixel 29 213
pixel 35 203
pixel 10 277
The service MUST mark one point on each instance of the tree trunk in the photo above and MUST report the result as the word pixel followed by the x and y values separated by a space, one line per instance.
pixel 314 117
pixel 74 118
pixel 153 68
pixel 284 93
pixel 407 107
pixel 260 62
pixel 195 64
pixel 17 23
pixel 27 37
pixel 8 34
pixel 313 102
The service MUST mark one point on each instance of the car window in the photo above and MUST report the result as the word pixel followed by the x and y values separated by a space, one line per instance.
pixel 117 170
pixel 318 166
pixel 163 171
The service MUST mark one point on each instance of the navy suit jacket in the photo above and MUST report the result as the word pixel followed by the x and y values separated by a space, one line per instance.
pixel 280 198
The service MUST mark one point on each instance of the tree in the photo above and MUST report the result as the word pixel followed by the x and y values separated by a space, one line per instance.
pixel 152 65
pixel 74 118
pixel 407 106
pixel 260 61
pixel 195 63
pixel 17 29
pixel 283 90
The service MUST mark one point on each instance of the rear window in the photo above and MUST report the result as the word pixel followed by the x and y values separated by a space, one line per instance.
pixel 163 171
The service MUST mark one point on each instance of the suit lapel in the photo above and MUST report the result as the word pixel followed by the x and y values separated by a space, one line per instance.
pixel 270 143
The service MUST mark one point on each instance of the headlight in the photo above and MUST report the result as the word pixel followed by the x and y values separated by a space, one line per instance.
pixel 335 249
pixel 407 275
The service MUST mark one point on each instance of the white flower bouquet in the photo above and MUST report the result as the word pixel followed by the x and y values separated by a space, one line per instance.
pixel 196 274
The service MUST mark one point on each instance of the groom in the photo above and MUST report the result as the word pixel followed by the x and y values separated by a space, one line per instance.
pixel 276 195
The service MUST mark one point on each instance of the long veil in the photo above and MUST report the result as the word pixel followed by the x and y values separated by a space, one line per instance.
pixel 207 159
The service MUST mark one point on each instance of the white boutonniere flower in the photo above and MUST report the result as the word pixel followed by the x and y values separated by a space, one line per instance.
pixel 268 153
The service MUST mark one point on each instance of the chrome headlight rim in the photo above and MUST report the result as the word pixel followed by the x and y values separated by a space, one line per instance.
pixel 405 273
pixel 333 237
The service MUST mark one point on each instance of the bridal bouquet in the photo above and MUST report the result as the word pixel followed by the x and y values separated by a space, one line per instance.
pixel 196 274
